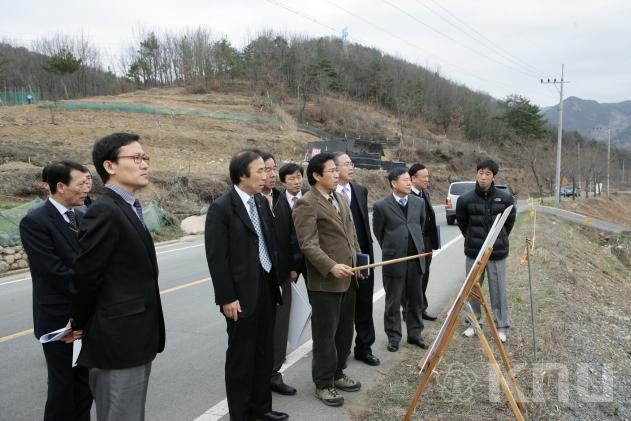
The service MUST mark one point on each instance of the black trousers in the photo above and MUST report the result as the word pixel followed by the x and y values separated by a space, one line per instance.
pixel 249 358
pixel 332 321
pixel 425 279
pixel 281 333
pixel 69 396
pixel 364 325
pixel 395 287
pixel 424 282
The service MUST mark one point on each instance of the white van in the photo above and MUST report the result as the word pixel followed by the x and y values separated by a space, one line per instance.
pixel 455 190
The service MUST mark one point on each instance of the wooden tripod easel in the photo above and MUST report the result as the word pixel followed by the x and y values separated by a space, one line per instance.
pixel 471 290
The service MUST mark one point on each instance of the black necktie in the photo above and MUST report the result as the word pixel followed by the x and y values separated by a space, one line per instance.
pixel 72 220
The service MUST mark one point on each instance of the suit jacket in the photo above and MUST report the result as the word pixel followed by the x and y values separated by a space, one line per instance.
pixel 286 242
pixel 392 229
pixel 325 238
pixel 430 230
pixel 360 193
pixel 232 251
pixel 116 277
pixel 51 247
pixel 299 258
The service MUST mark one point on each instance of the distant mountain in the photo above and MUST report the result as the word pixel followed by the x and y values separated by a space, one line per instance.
pixel 583 115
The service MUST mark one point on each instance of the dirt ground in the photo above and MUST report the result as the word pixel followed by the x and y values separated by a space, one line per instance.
pixel 614 208
pixel 190 154
pixel 582 368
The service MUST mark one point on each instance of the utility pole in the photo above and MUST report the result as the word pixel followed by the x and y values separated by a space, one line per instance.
pixel 578 154
pixel 608 153
pixel 608 157
pixel 557 180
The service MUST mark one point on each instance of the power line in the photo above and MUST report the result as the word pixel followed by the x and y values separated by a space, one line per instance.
pixel 466 71
pixel 411 16
pixel 482 36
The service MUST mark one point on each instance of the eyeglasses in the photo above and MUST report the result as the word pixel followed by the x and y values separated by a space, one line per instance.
pixel 348 164
pixel 137 158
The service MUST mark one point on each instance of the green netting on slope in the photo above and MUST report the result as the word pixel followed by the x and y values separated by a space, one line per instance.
pixel 10 223
pixel 155 217
pixel 147 109
pixel 18 97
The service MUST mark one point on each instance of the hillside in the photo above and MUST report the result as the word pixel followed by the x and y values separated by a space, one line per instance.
pixel 584 115
pixel 581 289
pixel 191 137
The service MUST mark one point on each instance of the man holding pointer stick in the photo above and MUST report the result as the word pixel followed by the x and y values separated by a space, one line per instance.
pixel 327 238
pixel 398 222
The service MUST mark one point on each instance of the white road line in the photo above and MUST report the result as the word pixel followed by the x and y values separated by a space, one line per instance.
pixel 17 280
pixel 221 409
pixel 181 248
pixel 157 253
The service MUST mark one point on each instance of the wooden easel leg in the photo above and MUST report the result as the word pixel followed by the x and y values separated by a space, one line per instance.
pixel 500 346
pixel 496 368
pixel 427 375
pixel 434 355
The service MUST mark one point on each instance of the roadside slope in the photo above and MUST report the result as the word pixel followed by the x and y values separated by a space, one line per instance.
pixel 583 321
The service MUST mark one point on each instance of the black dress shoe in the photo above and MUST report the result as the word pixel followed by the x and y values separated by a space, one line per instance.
pixel 368 358
pixel 283 389
pixel 271 415
pixel 393 346
pixel 418 342
pixel 428 317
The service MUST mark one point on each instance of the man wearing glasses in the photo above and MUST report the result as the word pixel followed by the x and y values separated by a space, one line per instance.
pixel 286 270
pixel 326 235
pixel 117 303
pixel 357 197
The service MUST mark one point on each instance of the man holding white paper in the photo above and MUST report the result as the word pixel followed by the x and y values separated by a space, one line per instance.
pixel 49 236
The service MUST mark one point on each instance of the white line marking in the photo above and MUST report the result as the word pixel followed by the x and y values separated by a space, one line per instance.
pixel 181 248
pixel 17 280
pixel 221 408
pixel 157 253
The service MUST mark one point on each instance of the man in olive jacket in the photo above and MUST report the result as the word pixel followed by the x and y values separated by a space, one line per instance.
pixel 327 237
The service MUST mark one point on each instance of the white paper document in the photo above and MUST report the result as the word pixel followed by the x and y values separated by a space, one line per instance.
pixel 299 315
pixel 76 349
pixel 54 335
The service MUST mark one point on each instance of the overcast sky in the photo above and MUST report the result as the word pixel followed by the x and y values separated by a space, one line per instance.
pixel 496 46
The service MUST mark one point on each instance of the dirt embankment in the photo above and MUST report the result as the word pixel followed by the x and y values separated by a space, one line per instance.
pixel 190 150
pixel 582 369
pixel 615 208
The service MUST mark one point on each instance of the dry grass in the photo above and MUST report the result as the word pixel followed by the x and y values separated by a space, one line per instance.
pixel 583 320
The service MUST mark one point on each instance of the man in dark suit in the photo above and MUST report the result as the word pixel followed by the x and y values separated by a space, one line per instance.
pixel 49 236
pixel 398 226
pixel 117 308
pixel 242 259
pixel 420 184
pixel 286 270
pixel 326 235
pixel 357 197
pixel 291 177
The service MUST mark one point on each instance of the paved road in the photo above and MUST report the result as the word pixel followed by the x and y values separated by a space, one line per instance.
pixel 187 379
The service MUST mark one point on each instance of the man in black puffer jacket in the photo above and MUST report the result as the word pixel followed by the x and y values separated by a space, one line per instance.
pixel 475 211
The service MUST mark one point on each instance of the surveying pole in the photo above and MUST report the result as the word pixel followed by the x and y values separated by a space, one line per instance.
pixel 557 179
